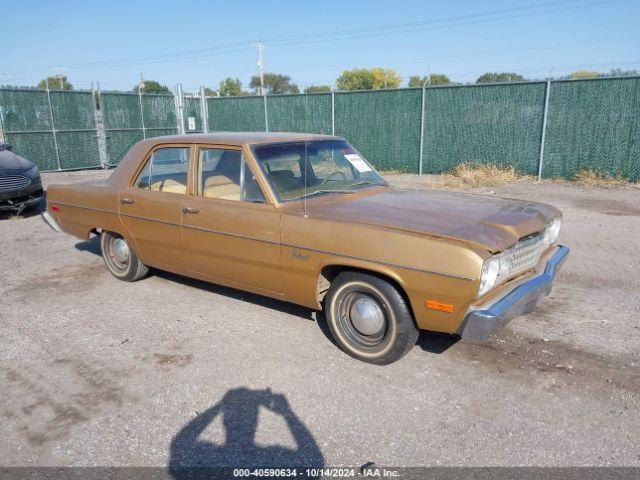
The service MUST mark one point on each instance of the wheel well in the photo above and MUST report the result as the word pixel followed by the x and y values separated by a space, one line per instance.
pixel 330 272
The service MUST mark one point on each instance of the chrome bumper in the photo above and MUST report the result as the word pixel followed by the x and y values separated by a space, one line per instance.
pixel 49 220
pixel 479 325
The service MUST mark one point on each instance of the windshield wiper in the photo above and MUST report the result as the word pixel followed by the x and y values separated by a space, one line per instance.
pixel 348 192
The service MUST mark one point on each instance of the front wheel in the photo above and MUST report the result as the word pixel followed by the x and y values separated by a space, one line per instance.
pixel 369 318
pixel 120 259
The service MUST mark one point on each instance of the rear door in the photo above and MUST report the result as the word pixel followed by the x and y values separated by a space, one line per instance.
pixel 229 230
pixel 151 206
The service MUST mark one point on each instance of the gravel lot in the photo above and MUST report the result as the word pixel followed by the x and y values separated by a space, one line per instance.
pixel 172 371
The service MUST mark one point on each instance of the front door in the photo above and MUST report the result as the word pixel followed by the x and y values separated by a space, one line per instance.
pixel 229 231
pixel 151 206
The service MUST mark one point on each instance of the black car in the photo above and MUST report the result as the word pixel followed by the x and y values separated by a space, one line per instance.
pixel 20 184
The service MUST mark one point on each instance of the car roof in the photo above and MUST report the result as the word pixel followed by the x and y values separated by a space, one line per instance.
pixel 241 138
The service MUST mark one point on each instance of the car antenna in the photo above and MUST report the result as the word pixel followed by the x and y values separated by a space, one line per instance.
pixel 305 162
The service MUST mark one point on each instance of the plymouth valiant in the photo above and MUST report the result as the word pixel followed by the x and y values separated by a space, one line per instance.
pixel 306 219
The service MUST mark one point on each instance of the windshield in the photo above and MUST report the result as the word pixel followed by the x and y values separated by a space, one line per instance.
pixel 331 166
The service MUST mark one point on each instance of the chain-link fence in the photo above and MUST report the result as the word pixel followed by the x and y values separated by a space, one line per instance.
pixel 554 129
pixel 56 129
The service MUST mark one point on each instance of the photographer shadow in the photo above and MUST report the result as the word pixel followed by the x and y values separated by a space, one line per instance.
pixel 239 408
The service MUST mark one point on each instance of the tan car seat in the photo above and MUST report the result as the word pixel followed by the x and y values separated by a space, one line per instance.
pixel 170 185
pixel 224 181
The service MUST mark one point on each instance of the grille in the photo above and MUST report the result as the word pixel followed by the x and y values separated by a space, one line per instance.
pixel 13 182
pixel 523 255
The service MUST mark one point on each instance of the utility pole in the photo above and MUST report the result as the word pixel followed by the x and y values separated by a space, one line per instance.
pixel 60 77
pixel 260 46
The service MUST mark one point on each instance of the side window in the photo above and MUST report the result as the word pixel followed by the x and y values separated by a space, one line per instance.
pixel 224 174
pixel 166 171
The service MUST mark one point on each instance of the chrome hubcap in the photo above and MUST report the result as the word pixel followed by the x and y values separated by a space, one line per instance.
pixel 366 315
pixel 120 250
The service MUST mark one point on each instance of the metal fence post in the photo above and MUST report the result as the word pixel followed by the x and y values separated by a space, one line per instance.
pixel 333 113
pixel 266 116
pixel 144 130
pixel 53 126
pixel 100 133
pixel 420 161
pixel 180 108
pixel 547 90
pixel 204 113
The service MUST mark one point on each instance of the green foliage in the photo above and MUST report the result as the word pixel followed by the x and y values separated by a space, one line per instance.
pixel 436 79
pixel 59 82
pixel 151 86
pixel 231 87
pixel 208 92
pixel 584 74
pixel 368 79
pixel 618 72
pixel 318 89
pixel 274 83
pixel 491 77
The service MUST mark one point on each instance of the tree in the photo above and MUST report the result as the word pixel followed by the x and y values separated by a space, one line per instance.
pixel 151 86
pixel 231 87
pixel 583 74
pixel 618 72
pixel 356 79
pixel 491 77
pixel 365 79
pixel 435 79
pixel 317 89
pixel 59 82
pixel 274 83
pixel 385 78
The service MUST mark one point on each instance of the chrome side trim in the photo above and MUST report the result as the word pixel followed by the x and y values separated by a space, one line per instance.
pixel 49 220
pixel 378 262
pixel 273 242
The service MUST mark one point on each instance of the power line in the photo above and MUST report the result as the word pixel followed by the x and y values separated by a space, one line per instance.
pixel 320 37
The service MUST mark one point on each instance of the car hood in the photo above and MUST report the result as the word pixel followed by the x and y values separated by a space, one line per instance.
pixel 491 222
pixel 11 161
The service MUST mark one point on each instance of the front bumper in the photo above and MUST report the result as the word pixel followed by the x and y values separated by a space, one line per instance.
pixel 19 199
pixel 479 325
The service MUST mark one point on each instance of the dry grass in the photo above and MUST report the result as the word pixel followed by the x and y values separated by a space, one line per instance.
pixel 594 178
pixel 474 176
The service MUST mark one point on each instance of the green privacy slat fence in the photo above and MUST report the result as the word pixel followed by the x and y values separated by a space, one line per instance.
pixel 591 124
pixel 384 126
pixel 486 124
pixel 28 121
pixel 236 114
pixel 594 124
pixel 126 123
pixel 192 110
pixel 300 113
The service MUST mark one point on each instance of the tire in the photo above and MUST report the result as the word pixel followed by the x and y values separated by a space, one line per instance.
pixel 120 259
pixel 369 318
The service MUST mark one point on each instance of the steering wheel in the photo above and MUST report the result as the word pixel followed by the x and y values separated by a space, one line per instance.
pixel 333 174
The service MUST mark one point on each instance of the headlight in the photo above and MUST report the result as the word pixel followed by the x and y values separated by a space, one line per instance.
pixel 552 231
pixel 32 172
pixel 490 271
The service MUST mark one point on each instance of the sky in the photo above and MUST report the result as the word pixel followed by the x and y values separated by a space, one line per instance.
pixel 200 43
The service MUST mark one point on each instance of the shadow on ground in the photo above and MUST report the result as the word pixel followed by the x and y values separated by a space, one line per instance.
pixel 192 456
pixel 432 342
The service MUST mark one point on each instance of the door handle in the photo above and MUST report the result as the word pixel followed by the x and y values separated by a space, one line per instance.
pixel 127 201
pixel 187 210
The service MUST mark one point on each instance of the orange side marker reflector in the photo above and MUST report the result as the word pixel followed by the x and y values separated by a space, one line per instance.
pixel 442 307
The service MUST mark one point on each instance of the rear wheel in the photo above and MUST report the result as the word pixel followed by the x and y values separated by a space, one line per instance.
pixel 120 259
pixel 369 318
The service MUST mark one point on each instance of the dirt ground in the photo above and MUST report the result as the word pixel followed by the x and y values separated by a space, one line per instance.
pixel 166 371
